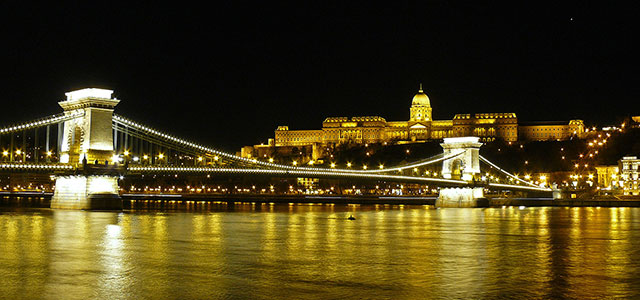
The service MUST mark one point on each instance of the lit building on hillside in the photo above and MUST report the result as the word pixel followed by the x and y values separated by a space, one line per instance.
pixel 630 175
pixel 550 131
pixel 419 128
pixel 623 178
pixel 608 176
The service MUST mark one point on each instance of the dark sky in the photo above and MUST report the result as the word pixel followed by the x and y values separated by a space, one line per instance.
pixel 227 75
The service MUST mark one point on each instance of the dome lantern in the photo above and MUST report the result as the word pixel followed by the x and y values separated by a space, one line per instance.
pixel 421 99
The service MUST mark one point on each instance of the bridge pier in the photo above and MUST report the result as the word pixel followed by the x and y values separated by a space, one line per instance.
pixel 464 166
pixel 90 192
pixel 462 197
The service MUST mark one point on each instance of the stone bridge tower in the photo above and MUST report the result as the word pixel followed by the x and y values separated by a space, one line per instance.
pixel 464 166
pixel 90 135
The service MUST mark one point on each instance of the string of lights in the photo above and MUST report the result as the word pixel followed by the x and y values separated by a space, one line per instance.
pixel 36 166
pixel 48 120
pixel 507 173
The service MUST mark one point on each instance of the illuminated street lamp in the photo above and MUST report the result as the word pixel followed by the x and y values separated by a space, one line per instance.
pixel 5 153
pixel 18 152
pixel 161 156
pixel 333 165
pixel 145 157
pixel 348 165
pixel 270 159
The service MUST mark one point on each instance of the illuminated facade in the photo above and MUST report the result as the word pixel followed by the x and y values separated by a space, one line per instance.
pixel 554 131
pixel 422 127
pixel 624 177
pixel 630 175
pixel 607 176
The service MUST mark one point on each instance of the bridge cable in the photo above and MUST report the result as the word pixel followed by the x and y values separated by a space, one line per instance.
pixel 41 122
pixel 505 172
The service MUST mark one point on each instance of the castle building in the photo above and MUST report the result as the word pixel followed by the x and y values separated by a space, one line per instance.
pixel 421 126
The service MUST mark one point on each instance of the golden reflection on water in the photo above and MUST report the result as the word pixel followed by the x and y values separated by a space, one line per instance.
pixel 312 251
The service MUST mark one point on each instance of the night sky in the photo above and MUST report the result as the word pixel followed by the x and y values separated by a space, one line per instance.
pixel 227 75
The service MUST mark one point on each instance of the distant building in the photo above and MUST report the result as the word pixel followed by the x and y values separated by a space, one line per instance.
pixel 421 127
pixel 622 178
pixel 544 131
pixel 607 176
pixel 629 175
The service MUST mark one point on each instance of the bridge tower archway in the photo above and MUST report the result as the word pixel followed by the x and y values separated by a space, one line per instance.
pixel 457 166
pixel 90 135
pixel 466 165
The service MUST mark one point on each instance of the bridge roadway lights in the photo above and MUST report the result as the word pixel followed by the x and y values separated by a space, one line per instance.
pixel 95 189
pixel 464 166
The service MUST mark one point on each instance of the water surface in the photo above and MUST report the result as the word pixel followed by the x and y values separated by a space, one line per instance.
pixel 311 251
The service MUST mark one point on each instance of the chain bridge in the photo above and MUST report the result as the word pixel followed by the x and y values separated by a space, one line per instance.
pixel 88 150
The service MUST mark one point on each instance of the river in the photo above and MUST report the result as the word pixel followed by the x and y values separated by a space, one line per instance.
pixel 297 251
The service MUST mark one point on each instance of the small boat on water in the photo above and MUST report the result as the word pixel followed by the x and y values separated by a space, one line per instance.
pixel 351 217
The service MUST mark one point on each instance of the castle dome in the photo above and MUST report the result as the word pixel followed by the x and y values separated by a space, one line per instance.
pixel 421 99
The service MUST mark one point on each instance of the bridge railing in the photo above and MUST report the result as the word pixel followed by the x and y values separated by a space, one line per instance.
pixel 296 173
